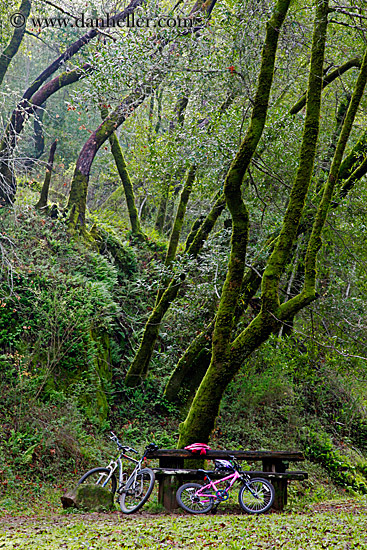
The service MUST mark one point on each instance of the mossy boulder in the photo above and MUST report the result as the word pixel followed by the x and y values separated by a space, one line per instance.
pixel 89 497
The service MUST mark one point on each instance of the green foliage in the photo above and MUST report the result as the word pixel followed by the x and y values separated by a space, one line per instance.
pixel 320 448
pixel 41 441
pixel 144 416
pixel 119 253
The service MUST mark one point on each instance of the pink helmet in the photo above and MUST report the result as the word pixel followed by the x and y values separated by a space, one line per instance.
pixel 198 448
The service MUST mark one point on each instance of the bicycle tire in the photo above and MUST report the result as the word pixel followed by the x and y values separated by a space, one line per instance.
pixel 256 496
pixel 187 500
pixel 137 491
pixel 97 477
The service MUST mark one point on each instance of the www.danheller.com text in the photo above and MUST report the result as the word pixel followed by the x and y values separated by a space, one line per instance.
pixel 131 21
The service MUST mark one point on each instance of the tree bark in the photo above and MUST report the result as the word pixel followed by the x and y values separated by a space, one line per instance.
pixel 42 203
pixel 180 215
pixel 15 41
pixel 139 367
pixel 190 369
pixel 125 180
pixel 162 208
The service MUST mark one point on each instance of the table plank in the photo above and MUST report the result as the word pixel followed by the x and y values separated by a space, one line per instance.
pixel 294 456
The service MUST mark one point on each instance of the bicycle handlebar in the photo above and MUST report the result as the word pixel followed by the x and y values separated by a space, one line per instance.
pixel 236 464
pixel 126 449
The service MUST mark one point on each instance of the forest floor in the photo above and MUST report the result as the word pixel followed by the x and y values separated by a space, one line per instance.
pixel 333 525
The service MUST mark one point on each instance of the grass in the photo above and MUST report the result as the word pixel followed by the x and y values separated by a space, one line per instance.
pixel 333 529
pixel 42 524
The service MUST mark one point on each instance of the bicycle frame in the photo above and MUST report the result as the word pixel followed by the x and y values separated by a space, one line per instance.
pixel 256 495
pixel 213 485
pixel 114 464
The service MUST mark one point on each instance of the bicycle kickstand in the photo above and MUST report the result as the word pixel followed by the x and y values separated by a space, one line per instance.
pixel 215 508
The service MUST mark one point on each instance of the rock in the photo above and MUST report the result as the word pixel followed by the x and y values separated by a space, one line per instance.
pixel 91 498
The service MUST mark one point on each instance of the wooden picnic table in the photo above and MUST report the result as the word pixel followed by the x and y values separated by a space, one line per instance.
pixel 173 471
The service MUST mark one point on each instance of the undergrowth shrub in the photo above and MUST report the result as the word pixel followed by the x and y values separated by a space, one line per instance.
pixel 46 440
pixel 342 470
pixel 60 304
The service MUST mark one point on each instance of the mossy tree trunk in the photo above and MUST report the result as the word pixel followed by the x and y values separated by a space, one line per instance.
pixel 139 367
pixel 193 364
pixel 125 180
pixel 180 215
pixel 190 369
pixel 304 232
pixel 42 203
pixel 162 208
pixel 12 48
pixel 201 417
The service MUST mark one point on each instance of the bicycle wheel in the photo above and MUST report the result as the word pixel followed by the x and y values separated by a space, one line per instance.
pixel 195 504
pixel 256 496
pixel 137 491
pixel 99 476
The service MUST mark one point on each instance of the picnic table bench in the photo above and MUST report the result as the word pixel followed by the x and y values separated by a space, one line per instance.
pixel 172 471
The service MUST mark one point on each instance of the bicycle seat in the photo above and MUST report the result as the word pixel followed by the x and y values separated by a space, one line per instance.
pixel 205 472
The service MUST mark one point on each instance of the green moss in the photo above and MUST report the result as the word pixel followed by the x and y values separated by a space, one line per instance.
pixel 125 180
pixel 180 214
pixel 190 369
pixel 279 257
pixel 92 498
pixel 77 200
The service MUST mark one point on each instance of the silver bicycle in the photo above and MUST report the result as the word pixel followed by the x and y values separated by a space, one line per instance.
pixel 133 490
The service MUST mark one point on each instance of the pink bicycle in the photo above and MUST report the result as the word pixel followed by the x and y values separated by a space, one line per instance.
pixel 256 495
